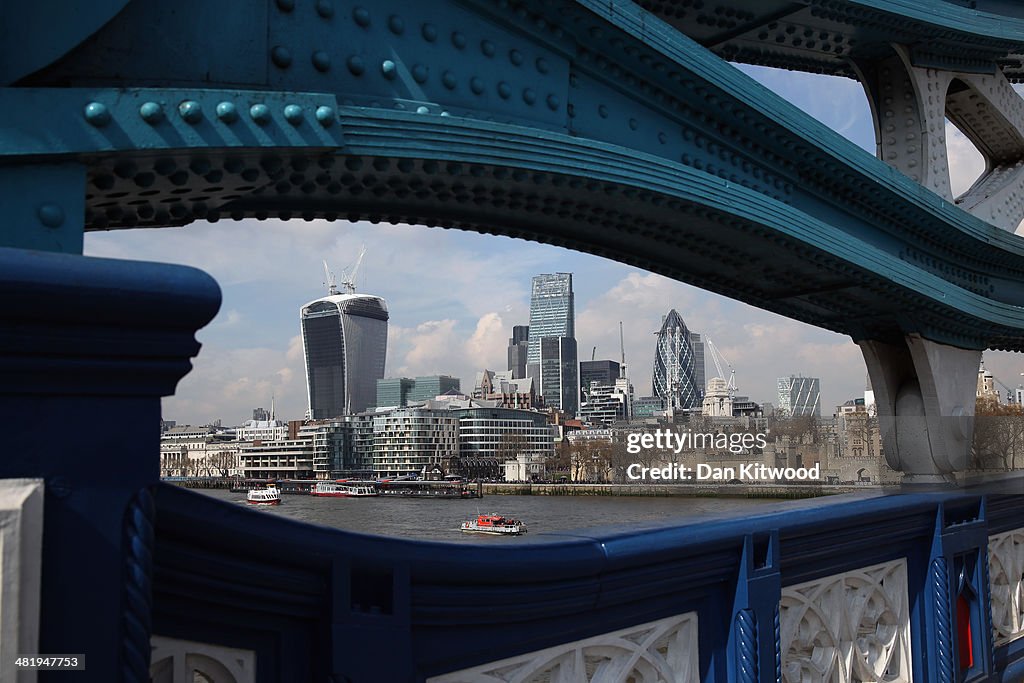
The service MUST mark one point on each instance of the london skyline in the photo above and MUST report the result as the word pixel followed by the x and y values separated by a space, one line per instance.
pixel 454 297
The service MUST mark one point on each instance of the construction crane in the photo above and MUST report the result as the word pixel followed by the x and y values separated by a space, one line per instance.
pixel 593 354
pixel 330 283
pixel 349 282
pixel 718 359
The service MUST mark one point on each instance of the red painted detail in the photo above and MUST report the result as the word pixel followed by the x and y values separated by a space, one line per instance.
pixel 965 644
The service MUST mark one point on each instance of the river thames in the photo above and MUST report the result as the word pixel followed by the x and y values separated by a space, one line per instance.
pixel 439 520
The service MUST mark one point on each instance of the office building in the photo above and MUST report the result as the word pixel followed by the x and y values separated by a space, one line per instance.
pixel 557 373
pixel 394 392
pixel 552 311
pixel 648 406
pixel 413 440
pixel 799 396
pixel 428 387
pixel 344 342
pixel 697 344
pixel 604 372
pixel 517 349
pixel 607 404
pixel 675 365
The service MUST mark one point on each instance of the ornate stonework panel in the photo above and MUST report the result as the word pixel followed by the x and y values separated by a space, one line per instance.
pixel 1006 572
pixel 184 661
pixel 663 651
pixel 848 627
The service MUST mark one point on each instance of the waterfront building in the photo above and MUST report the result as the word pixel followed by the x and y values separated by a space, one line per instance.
pixel 410 440
pixel 552 311
pixel 344 343
pixel 675 377
pixel 281 459
pixel 427 387
pixel 269 428
pixel 557 373
pixel 504 433
pixel 394 392
pixel 799 396
pixel 517 350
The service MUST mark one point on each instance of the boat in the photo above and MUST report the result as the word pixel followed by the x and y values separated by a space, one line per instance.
pixel 340 489
pixel 494 524
pixel 268 496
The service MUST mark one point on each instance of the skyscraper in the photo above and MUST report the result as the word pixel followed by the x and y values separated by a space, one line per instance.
pixel 551 356
pixel 344 342
pixel 517 346
pixel 698 364
pixel 557 373
pixel 552 311
pixel 799 396
pixel 675 365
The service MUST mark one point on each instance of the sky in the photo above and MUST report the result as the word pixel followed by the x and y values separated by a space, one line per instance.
pixel 454 296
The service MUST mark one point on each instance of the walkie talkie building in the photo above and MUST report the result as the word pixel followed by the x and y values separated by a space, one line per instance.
pixel 344 340
pixel 675 365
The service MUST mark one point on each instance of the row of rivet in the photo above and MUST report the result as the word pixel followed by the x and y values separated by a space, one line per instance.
pixel 97 113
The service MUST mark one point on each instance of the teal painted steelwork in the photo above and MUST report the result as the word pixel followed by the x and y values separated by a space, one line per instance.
pixel 601 126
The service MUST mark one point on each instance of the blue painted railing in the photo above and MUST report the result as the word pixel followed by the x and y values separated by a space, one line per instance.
pixel 313 602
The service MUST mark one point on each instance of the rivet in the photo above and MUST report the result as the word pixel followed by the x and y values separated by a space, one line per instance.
pixel 260 113
pixel 396 24
pixel 448 79
pixel 444 113
pixel 429 33
pixel 458 40
pixel 389 69
pixel 487 47
pixel 293 114
pixel 97 114
pixel 553 102
pixel 420 73
pixel 190 111
pixel 516 57
pixel 325 115
pixel 632 124
pixel 321 61
pixel 325 8
pixel 361 16
pixel 51 215
pixel 281 56
pixel 227 112
pixel 602 111
pixel 151 112
pixel 164 166
pixel 476 85
pixel 529 96
pixel 504 90
pixel 542 65
pixel 355 65
pixel 286 5
pixel 422 110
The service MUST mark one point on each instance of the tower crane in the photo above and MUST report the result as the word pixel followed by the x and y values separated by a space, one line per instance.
pixel 349 282
pixel 331 283
pixel 718 359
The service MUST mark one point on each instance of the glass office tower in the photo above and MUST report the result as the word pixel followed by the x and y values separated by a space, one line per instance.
pixel 799 396
pixel 344 341
pixel 675 365
pixel 552 311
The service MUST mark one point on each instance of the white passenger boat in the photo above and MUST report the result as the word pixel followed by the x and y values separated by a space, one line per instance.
pixel 494 524
pixel 268 496
pixel 340 489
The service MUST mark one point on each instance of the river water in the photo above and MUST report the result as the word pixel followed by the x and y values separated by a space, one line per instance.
pixel 439 520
